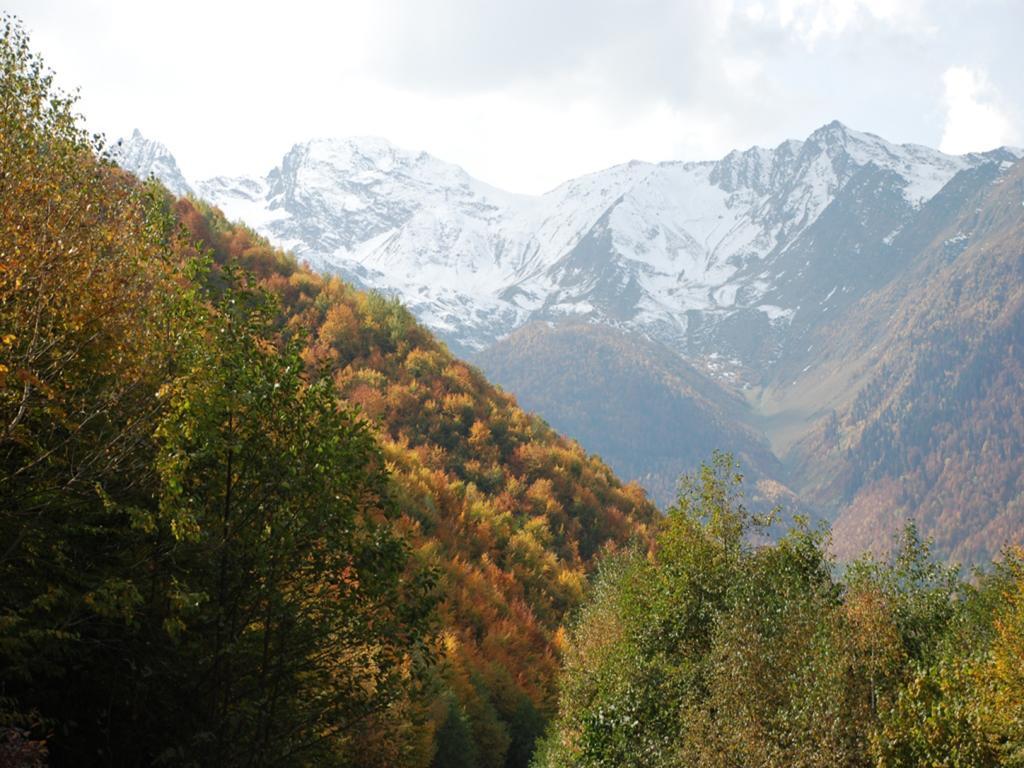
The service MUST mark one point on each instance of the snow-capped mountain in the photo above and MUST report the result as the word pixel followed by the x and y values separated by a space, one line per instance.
pixel 723 259
pixel 146 158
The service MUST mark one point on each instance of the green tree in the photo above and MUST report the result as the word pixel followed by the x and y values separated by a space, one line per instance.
pixel 295 627
pixel 639 653
pixel 961 704
pixel 525 726
pixel 456 747
pixel 196 544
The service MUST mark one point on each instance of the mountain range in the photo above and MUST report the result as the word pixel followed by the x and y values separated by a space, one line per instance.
pixel 755 302
pixel 704 256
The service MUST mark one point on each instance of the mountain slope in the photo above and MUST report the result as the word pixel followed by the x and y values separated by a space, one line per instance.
pixel 935 428
pixel 588 381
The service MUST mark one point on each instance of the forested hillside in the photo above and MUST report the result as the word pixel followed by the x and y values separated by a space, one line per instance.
pixel 504 510
pixel 250 515
pixel 935 429
pixel 588 381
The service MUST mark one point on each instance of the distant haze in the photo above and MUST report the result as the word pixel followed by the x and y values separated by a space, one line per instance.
pixel 526 94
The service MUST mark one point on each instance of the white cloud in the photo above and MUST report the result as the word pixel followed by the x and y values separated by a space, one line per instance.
pixel 814 19
pixel 974 121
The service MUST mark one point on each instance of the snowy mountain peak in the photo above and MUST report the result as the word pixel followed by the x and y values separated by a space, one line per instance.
pixel 835 133
pixel 333 196
pixel 147 158
pixel 358 152
pixel 924 170
pixel 365 159
pixel 839 137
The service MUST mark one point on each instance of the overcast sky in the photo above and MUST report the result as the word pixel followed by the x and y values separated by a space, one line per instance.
pixel 527 93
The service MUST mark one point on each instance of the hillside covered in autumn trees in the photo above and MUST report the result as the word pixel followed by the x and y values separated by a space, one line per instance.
pixel 251 515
